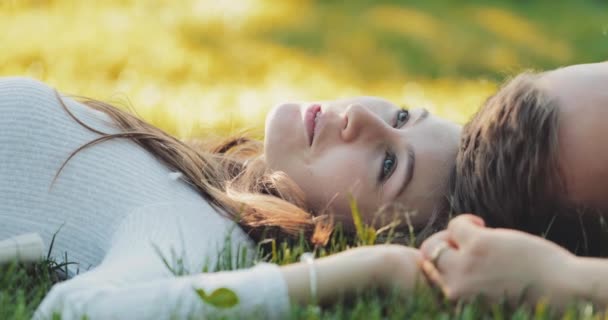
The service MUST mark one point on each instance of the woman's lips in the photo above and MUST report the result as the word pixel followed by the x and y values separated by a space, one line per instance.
pixel 309 121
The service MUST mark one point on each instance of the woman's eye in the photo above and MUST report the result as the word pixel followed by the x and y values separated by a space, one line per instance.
pixel 403 115
pixel 388 166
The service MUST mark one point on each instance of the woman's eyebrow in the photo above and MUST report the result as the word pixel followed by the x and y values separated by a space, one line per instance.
pixel 409 172
pixel 423 115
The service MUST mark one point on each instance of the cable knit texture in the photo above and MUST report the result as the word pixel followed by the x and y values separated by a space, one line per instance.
pixel 118 212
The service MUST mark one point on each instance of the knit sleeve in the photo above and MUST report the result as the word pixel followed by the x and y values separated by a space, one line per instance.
pixel 159 257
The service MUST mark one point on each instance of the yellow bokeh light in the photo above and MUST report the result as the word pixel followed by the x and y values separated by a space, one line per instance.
pixel 186 65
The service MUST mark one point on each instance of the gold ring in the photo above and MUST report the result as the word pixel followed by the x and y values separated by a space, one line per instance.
pixel 439 249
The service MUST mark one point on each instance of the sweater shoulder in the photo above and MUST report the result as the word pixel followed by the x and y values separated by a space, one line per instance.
pixel 18 93
pixel 26 99
pixel 23 86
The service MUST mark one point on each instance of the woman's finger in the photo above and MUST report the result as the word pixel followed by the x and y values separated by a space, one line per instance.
pixel 441 254
pixel 444 257
pixel 431 243
pixel 433 274
pixel 462 228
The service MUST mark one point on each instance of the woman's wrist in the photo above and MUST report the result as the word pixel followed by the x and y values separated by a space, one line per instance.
pixel 363 268
pixel 583 279
pixel 338 274
pixel 565 282
pixel 399 267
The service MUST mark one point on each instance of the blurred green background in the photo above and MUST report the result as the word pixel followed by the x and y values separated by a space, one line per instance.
pixel 193 65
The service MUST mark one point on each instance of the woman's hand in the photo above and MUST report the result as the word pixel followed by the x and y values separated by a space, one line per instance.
pixel 497 263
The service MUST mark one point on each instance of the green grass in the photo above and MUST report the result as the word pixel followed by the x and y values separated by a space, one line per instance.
pixel 22 288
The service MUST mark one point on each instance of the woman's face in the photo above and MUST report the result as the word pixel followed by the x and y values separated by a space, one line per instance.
pixel 364 147
pixel 581 92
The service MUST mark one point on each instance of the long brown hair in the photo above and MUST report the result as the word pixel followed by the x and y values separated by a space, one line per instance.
pixel 230 175
pixel 507 170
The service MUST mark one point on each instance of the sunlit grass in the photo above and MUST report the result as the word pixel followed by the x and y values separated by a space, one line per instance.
pixel 194 66
pixel 24 286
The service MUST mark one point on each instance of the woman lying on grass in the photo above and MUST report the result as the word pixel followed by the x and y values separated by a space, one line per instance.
pixel 133 196
pixel 533 158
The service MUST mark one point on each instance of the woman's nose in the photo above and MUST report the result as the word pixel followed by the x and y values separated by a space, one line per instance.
pixel 361 123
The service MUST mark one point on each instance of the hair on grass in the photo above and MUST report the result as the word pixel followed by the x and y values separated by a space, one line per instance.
pixel 231 175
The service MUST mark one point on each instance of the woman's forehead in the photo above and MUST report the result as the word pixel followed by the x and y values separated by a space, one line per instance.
pixel 578 85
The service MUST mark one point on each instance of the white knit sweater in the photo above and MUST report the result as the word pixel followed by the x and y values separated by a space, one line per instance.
pixel 114 206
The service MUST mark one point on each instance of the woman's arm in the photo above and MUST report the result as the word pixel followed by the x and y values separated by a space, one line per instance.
pixel 134 282
pixel 101 294
pixel 107 293
pixel 587 278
